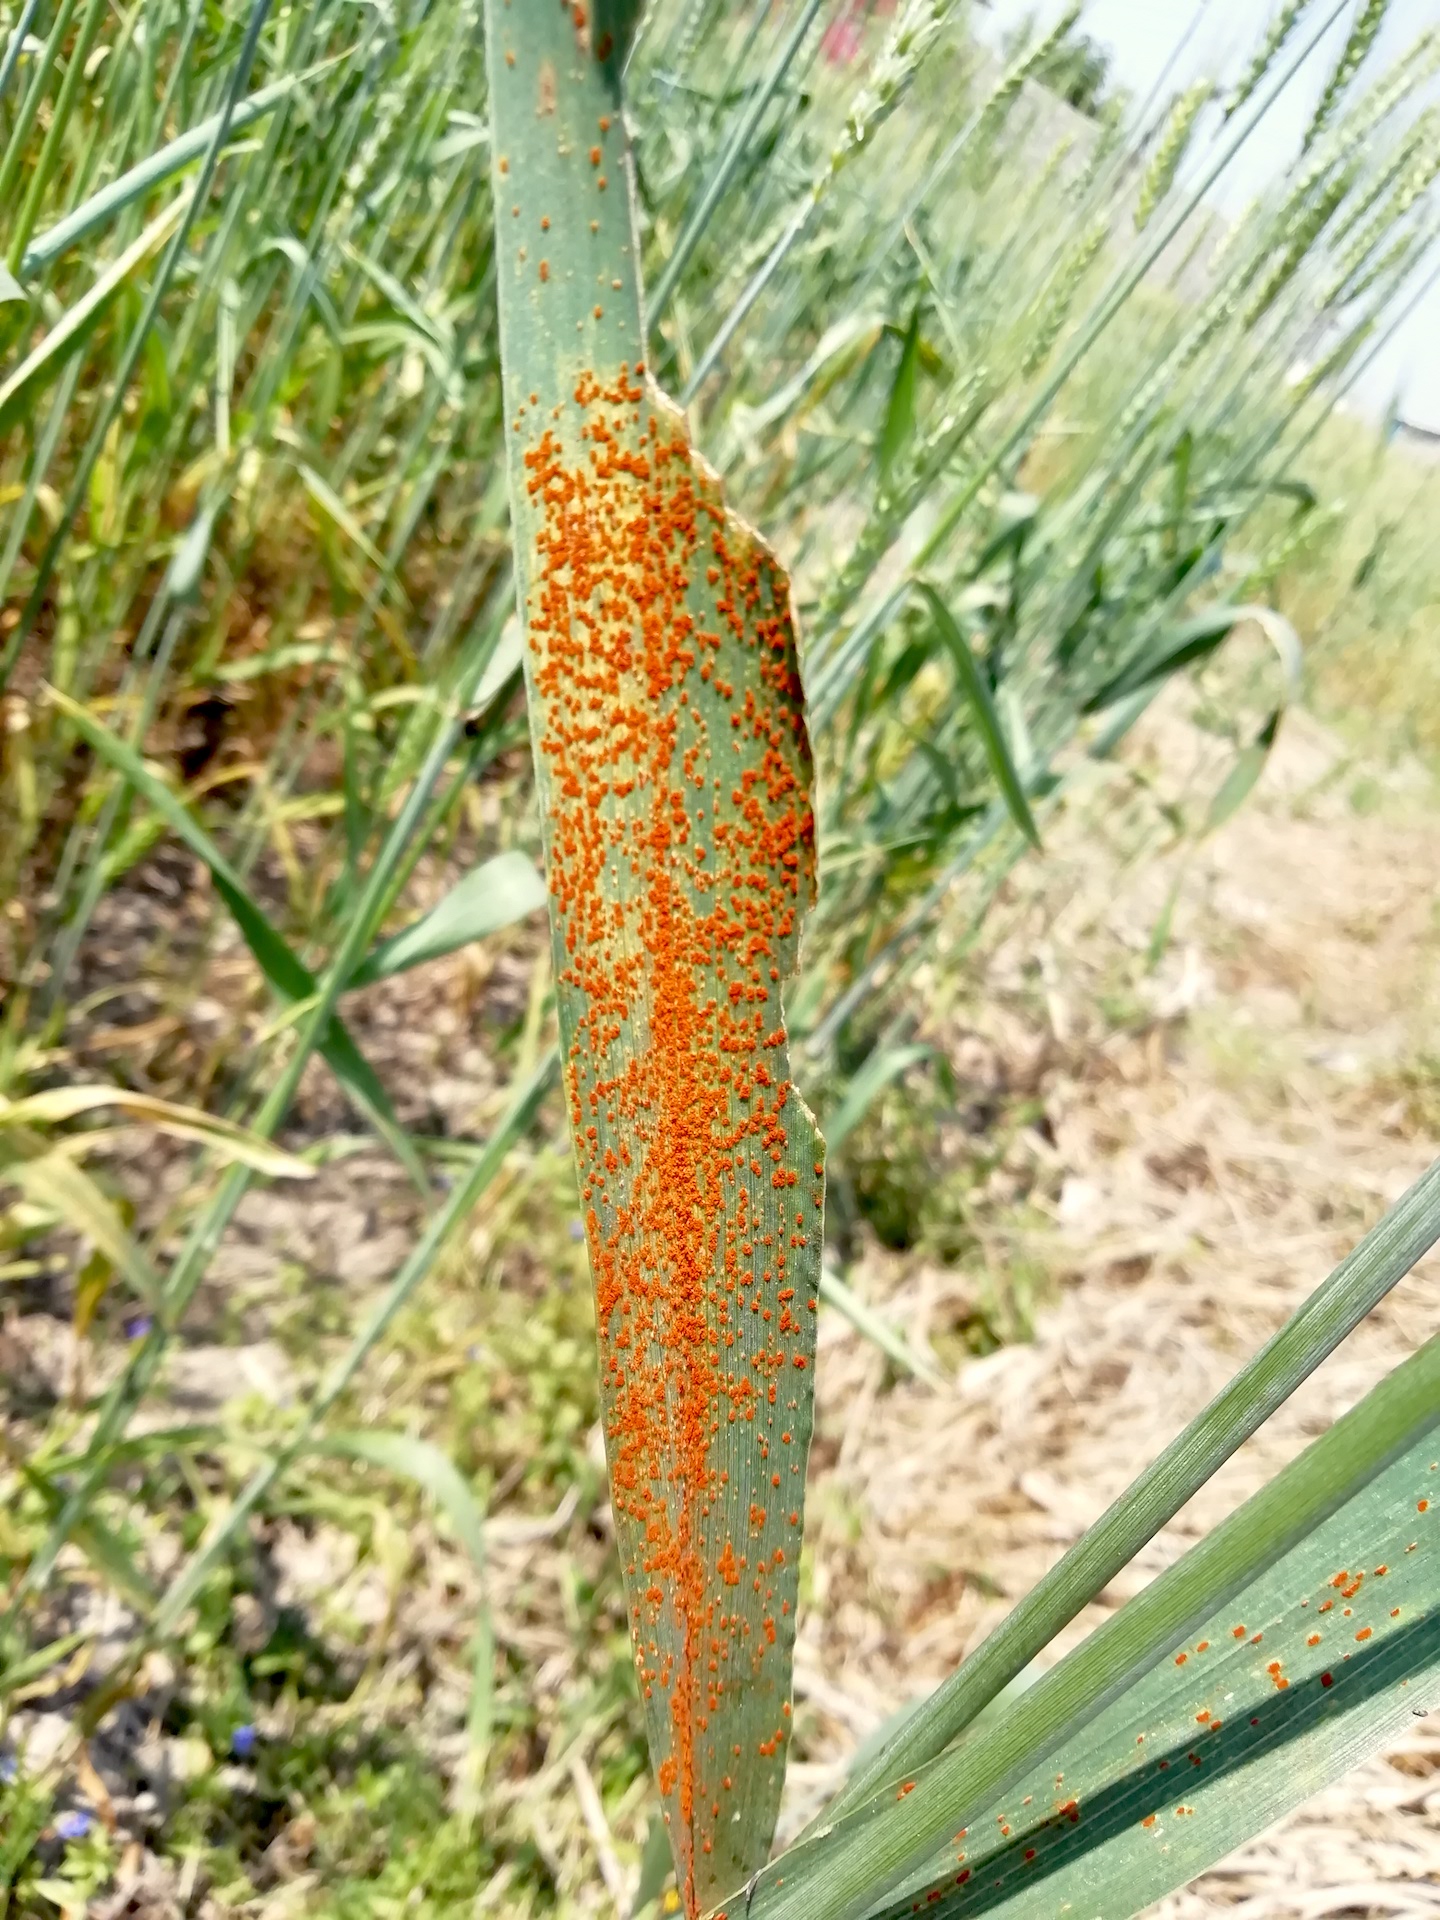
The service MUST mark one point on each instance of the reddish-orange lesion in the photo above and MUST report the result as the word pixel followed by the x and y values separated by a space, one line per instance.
pixel 681 858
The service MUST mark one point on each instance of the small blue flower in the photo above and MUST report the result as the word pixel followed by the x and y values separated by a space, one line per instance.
pixel 242 1742
pixel 8 1769
pixel 577 1231
pixel 75 1824
pixel 138 1325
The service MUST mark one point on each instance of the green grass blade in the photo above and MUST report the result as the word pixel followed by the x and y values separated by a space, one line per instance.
pixel 656 1865
pixel 846 1868
pixel 715 188
pixel 154 1445
pixel 187 563
pixel 913 32
pixel 314 1023
pixel 1177 646
pixel 1334 1310
pixel 286 973
pixel 21 388
pixel 479 1718
pixel 977 696
pixel 105 415
pixel 1239 783
pixel 56 132
pixel 899 428
pixel 674 774
pixel 423 1463
pixel 1102 314
pixel 34 1666
pixel 19 33
pixel 105 1550
pixel 24 120
pixel 1304 1672
pixel 518 1118
pixel 496 894
pixel 883 1068
pixel 21 515
pixel 333 509
pixel 164 164
pixel 874 1327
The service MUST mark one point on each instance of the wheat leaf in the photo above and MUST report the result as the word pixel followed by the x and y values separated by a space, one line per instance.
pixel 674 774
pixel 1364 1496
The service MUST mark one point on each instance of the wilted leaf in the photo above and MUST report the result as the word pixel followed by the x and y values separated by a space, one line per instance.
pixel 34 1666
pixel 53 1181
pixel 58 1104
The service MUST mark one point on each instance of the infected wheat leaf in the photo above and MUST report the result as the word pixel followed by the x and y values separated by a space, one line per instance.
pixel 674 774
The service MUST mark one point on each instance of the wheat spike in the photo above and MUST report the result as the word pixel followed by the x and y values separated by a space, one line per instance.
pixel 1160 174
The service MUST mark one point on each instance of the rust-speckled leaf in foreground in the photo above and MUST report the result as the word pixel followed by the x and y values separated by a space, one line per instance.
pixel 674 775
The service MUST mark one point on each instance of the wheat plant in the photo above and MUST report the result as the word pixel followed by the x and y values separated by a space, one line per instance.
pixel 318 345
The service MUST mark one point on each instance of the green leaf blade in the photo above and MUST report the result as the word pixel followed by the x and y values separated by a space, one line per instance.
pixel 675 782
pixel 1322 1506
pixel 495 895
pixel 977 695
pixel 880 1332
pixel 19 390
pixel 282 967
pixel 101 207
pixel 899 428
pixel 1183 642
pixel 421 1462
pixel 881 1070
pixel 1240 782
pixel 1307 1671
pixel 1332 1312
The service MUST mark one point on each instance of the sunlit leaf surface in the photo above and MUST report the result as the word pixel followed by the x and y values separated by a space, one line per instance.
pixel 674 773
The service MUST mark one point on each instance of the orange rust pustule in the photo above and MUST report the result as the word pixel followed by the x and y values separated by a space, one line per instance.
pixel 681 856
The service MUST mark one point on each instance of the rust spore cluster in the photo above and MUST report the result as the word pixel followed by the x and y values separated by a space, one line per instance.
pixel 681 859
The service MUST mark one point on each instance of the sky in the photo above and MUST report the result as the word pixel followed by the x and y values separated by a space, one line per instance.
pixel 1217 36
